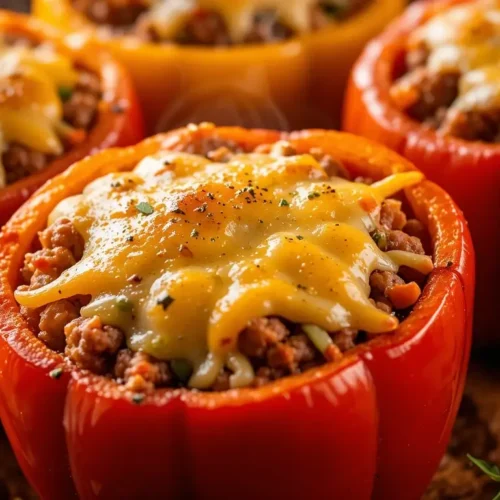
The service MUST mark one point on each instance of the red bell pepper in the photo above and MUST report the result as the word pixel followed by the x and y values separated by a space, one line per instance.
pixel 469 171
pixel 374 425
pixel 119 120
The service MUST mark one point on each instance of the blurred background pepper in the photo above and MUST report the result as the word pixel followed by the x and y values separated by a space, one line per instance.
pixel 290 84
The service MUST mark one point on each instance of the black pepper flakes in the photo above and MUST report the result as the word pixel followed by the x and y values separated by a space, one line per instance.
pixel 185 252
pixel 165 301
pixel 118 107
pixel 135 278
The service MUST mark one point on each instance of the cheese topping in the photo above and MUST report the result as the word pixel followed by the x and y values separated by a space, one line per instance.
pixel 30 106
pixel 168 17
pixel 181 253
pixel 465 39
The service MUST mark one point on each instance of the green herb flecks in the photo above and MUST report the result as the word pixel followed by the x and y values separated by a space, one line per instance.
pixel 124 304
pixel 283 203
pixel 56 373
pixel 137 399
pixel 380 239
pixel 145 208
pixel 491 470
pixel 333 10
pixel 182 369
pixel 65 93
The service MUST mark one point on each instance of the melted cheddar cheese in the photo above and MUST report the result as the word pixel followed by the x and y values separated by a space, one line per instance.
pixel 168 17
pixel 31 109
pixel 181 253
pixel 464 40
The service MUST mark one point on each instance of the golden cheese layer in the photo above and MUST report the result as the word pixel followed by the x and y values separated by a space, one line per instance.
pixel 181 253
pixel 464 39
pixel 31 109
pixel 168 17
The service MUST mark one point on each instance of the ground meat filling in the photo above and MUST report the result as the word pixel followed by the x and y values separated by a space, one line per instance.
pixel 274 346
pixel 428 96
pixel 206 27
pixel 80 106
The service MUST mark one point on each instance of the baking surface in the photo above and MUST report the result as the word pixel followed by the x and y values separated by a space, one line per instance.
pixel 477 431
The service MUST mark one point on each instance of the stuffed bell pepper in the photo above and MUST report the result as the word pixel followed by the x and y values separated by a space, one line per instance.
pixel 245 62
pixel 57 105
pixel 429 88
pixel 255 313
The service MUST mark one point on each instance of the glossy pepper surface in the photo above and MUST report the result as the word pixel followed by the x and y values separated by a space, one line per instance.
pixel 469 171
pixel 371 426
pixel 119 120
pixel 297 83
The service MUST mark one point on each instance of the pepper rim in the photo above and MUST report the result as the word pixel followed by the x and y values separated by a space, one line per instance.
pixel 426 199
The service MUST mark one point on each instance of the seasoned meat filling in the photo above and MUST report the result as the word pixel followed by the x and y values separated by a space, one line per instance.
pixel 79 113
pixel 158 22
pixel 274 346
pixel 450 82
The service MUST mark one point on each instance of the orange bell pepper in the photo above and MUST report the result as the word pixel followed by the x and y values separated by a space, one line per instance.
pixel 295 84
pixel 372 425
pixel 119 121
pixel 469 171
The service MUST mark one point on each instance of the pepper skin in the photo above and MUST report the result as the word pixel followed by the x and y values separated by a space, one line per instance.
pixel 374 425
pixel 112 128
pixel 469 171
pixel 253 86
